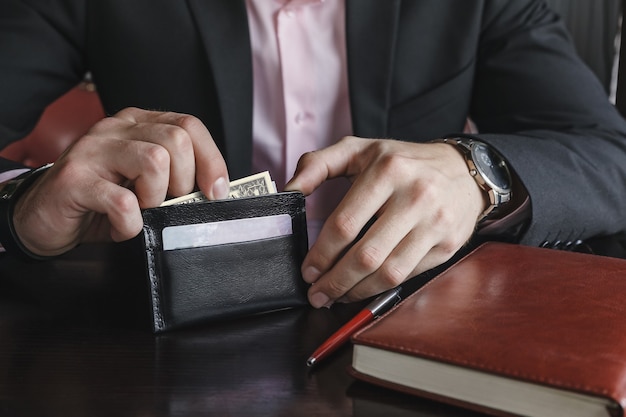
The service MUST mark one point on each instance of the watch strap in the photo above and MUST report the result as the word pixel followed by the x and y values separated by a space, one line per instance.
pixel 9 194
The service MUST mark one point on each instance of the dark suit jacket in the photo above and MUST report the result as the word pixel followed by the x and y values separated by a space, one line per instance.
pixel 417 69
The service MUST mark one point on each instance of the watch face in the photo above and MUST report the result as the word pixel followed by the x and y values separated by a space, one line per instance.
pixel 492 166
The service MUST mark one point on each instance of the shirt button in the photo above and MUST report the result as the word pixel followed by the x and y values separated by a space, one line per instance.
pixel 289 13
pixel 303 117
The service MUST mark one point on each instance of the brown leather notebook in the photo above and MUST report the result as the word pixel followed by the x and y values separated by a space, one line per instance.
pixel 508 330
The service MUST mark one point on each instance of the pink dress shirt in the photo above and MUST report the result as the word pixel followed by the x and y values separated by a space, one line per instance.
pixel 301 100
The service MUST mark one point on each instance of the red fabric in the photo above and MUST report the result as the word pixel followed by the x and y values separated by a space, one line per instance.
pixel 61 124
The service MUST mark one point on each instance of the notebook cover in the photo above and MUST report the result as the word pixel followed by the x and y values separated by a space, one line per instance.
pixel 538 315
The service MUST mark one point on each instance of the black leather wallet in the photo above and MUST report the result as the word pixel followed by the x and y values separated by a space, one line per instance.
pixel 221 259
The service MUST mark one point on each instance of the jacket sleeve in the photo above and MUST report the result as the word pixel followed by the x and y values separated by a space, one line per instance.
pixel 544 110
pixel 42 58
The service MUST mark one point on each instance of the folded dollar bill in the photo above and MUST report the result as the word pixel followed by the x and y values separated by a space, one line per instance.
pixel 253 185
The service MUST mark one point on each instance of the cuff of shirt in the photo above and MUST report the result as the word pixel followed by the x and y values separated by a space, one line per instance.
pixel 506 224
pixel 9 175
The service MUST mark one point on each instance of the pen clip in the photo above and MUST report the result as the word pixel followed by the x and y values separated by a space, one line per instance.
pixel 384 310
pixel 385 302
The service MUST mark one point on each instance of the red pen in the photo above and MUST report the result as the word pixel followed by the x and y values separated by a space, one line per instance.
pixel 374 309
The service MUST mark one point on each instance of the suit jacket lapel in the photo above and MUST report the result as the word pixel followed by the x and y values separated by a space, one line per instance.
pixel 371 27
pixel 371 32
pixel 223 26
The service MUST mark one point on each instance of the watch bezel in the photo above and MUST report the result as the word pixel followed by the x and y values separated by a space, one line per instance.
pixel 478 150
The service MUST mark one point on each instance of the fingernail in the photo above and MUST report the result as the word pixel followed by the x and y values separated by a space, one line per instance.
pixel 310 274
pixel 319 299
pixel 220 189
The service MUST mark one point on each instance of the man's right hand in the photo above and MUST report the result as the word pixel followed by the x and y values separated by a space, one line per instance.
pixel 127 162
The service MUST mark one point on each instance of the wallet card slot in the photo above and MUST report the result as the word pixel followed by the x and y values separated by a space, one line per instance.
pixel 229 280
pixel 226 231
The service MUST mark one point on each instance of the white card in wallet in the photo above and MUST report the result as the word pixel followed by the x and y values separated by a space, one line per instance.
pixel 226 231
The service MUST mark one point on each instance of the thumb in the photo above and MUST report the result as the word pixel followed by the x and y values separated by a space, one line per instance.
pixel 318 166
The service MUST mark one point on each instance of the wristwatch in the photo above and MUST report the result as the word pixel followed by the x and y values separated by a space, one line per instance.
pixel 10 191
pixel 489 169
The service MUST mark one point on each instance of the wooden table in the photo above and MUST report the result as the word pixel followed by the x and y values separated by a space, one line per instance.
pixel 75 340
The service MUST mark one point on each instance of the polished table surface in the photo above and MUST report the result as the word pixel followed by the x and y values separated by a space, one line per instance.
pixel 75 340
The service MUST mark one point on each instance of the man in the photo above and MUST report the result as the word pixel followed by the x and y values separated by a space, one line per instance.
pixel 411 70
